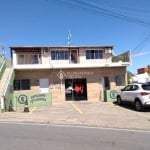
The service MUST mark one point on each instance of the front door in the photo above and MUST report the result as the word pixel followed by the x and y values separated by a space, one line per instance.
pixel 75 89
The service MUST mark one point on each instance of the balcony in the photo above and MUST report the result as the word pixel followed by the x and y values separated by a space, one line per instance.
pixel 38 61
pixel 57 64
pixel 124 57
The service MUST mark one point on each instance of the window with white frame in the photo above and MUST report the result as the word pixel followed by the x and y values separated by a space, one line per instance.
pixel 94 54
pixel 59 55
pixel 36 59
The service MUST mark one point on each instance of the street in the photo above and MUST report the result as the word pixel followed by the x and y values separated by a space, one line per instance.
pixel 44 137
pixel 85 114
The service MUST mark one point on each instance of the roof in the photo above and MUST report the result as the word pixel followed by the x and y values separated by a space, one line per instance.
pixel 38 48
pixel 82 46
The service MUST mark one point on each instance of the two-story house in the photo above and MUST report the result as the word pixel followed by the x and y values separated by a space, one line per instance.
pixel 69 73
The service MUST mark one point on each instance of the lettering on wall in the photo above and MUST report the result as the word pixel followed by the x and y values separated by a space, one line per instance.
pixel 73 74
pixel 22 99
pixel 55 85
pixel 38 97
pixel 80 74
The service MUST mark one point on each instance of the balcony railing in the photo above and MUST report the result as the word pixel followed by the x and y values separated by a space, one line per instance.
pixel 32 63
pixel 124 57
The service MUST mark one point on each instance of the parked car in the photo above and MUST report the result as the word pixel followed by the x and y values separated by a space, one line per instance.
pixel 135 93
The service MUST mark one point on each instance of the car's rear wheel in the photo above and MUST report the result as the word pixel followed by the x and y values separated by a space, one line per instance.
pixel 138 105
pixel 119 101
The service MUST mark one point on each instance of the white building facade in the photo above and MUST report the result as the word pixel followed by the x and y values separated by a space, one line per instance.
pixel 68 73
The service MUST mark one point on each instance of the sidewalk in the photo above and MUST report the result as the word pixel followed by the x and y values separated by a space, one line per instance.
pixel 98 114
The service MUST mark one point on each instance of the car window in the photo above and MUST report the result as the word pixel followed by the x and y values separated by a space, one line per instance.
pixel 131 88
pixel 127 88
pixel 146 87
pixel 134 87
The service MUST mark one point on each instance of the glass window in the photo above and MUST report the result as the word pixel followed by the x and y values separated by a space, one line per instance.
pixel 62 55
pixel 59 55
pixel 127 88
pixel 94 54
pixel 119 80
pixel 88 54
pixel 99 54
pixel 134 87
pixel 146 87
pixel 22 84
pixel 35 59
pixel 16 85
pixel 53 55
pixel 66 55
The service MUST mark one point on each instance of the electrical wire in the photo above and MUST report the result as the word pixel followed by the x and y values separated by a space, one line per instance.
pixel 113 12
pixel 139 45
pixel 94 8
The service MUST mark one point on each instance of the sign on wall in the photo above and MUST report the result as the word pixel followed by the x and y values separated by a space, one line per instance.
pixel 36 99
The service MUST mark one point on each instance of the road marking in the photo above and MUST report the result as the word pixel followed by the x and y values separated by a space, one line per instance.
pixel 32 110
pixel 76 126
pixel 77 108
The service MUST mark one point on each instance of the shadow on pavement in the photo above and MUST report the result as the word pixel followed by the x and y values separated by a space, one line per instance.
pixel 131 106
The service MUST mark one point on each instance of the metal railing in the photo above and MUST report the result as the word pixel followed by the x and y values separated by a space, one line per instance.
pixel 7 81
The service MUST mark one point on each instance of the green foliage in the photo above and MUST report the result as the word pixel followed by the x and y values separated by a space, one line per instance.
pixel 129 75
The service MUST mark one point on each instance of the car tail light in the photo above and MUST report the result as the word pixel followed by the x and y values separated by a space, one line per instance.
pixel 144 93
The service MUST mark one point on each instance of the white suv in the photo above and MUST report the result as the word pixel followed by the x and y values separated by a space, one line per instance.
pixel 136 93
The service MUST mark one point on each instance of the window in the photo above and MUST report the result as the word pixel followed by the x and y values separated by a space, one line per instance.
pixel 22 84
pixel 146 87
pixel 35 59
pixel 134 87
pixel 119 80
pixel 94 54
pixel 128 88
pixel 59 55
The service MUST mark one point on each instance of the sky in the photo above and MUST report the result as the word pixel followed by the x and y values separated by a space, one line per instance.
pixel 122 24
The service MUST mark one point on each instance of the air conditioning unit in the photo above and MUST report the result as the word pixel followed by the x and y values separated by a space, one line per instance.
pixel 108 51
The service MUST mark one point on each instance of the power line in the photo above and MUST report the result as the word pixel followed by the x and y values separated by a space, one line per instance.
pixel 135 50
pixel 94 8
pixel 111 12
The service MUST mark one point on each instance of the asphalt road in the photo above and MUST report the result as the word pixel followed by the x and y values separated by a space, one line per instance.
pixel 48 137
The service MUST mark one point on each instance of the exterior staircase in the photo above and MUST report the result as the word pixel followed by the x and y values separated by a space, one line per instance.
pixel 4 82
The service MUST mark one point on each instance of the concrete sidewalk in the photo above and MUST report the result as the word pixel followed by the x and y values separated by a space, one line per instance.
pixel 98 114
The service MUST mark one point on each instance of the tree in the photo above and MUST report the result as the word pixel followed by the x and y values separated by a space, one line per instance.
pixel 129 75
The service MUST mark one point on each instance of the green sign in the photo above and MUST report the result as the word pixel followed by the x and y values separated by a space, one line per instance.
pixel 33 100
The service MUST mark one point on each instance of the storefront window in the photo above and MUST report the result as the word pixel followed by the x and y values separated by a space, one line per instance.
pixel 75 89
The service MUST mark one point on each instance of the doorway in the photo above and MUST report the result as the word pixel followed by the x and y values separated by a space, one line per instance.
pixel 74 56
pixel 106 83
pixel 75 89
